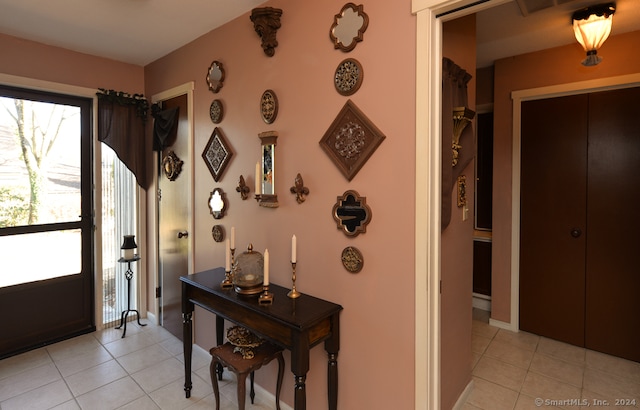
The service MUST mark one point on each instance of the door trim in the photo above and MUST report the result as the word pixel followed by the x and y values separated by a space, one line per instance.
pixel 582 87
pixel 184 89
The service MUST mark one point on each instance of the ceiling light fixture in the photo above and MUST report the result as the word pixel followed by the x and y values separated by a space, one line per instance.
pixel 592 26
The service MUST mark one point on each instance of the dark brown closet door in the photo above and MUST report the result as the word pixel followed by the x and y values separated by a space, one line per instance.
pixel 553 217
pixel 613 219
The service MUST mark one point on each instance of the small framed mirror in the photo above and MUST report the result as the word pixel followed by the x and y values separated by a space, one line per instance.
pixel 352 213
pixel 348 27
pixel 217 203
pixel 265 170
pixel 215 76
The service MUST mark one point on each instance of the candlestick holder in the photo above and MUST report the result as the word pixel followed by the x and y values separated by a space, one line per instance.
pixel 293 293
pixel 266 297
pixel 228 275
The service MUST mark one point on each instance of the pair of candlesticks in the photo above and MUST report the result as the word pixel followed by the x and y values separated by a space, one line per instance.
pixel 266 297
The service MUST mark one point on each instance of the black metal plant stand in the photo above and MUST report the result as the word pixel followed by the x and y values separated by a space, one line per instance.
pixel 128 275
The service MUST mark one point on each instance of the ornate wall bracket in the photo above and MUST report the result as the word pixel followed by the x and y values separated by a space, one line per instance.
pixel 462 116
pixel 267 201
pixel 242 188
pixel 172 166
pixel 299 189
pixel 266 22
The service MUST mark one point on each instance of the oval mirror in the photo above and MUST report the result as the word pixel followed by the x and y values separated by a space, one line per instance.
pixel 348 27
pixel 217 203
pixel 215 76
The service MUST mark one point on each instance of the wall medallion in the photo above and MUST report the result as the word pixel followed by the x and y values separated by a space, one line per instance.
pixel 171 166
pixel 348 76
pixel 216 111
pixel 269 106
pixel 217 154
pixel 350 140
pixel 352 259
pixel 218 233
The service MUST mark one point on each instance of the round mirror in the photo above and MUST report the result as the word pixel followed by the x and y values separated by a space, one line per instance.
pixel 215 76
pixel 348 27
pixel 217 203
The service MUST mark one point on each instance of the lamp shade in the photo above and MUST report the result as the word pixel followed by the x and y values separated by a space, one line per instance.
pixel 128 246
pixel 592 26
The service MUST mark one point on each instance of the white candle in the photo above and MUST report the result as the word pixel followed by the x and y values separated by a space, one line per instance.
pixel 258 190
pixel 227 257
pixel 233 237
pixel 266 267
pixel 294 247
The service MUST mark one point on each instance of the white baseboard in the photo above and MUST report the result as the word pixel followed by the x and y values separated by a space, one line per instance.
pixel 151 317
pixel 463 396
pixel 481 302
pixel 502 325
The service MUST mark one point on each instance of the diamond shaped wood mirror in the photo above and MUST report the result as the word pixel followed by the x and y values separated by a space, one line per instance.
pixel 217 154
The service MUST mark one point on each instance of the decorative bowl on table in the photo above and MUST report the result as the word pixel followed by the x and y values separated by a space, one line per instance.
pixel 243 340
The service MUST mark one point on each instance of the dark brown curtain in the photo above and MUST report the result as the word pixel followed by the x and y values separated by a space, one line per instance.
pixel 122 126
pixel 454 94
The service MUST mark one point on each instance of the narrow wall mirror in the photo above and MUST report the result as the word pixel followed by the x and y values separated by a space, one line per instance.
pixel 217 203
pixel 348 27
pixel 265 170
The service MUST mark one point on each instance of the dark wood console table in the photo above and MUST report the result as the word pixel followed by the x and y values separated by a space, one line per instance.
pixel 295 324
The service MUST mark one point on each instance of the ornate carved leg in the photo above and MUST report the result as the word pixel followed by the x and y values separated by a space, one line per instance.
pixel 188 349
pixel 300 392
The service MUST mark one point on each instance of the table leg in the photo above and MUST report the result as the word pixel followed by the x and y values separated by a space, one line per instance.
pixel 300 392
pixel 332 383
pixel 219 340
pixel 187 325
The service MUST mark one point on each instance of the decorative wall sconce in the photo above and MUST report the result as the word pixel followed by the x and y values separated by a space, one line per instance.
pixel 352 213
pixel 592 26
pixel 265 171
pixel 266 22
pixel 242 188
pixel 462 116
pixel 217 203
pixel 299 189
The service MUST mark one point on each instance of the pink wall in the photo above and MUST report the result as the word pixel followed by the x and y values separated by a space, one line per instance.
pixel 457 240
pixel 549 67
pixel 38 61
pixel 376 361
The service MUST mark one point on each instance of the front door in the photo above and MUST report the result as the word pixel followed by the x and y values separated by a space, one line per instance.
pixel 46 226
pixel 173 241
pixel 579 279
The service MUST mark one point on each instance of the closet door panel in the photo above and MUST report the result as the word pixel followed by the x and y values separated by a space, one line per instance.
pixel 553 217
pixel 613 220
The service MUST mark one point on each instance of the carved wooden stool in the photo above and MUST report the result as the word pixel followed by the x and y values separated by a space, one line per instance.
pixel 263 354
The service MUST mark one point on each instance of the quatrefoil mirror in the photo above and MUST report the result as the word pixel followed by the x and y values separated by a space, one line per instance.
pixel 217 203
pixel 348 27
pixel 215 76
pixel 352 213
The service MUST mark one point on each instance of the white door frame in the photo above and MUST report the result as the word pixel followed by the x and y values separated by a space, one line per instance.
pixel 184 89
pixel 428 189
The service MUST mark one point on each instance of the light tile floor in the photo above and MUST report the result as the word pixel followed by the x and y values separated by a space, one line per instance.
pixel 525 371
pixel 101 370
